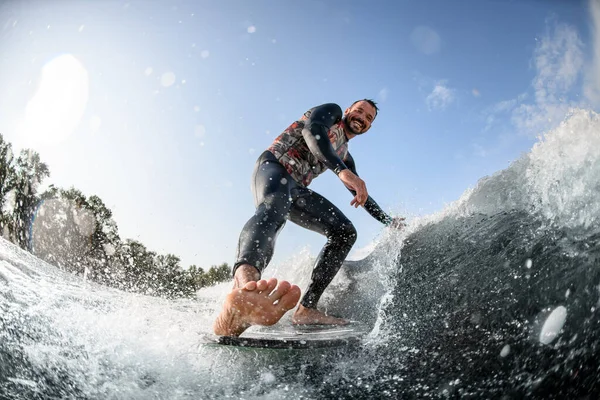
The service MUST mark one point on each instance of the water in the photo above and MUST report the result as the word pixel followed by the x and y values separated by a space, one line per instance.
pixel 496 296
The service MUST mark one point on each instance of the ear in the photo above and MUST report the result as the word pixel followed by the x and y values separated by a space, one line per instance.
pixel 347 111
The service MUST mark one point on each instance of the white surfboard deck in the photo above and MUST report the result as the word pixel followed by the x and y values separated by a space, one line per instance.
pixel 295 336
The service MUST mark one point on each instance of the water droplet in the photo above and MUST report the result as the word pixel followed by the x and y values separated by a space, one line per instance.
pixel 267 377
pixel 554 323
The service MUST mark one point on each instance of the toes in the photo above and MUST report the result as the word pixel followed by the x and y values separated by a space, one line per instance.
pixel 271 285
pixel 250 286
pixel 290 298
pixel 281 290
pixel 261 285
pixel 268 287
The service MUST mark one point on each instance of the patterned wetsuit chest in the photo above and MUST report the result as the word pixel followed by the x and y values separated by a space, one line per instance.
pixel 293 153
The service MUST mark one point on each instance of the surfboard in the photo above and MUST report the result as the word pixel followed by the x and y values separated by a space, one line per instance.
pixel 295 337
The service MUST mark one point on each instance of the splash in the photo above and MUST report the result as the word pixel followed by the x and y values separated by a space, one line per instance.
pixel 564 171
pixel 558 179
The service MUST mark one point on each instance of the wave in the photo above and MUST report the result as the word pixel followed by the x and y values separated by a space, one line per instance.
pixel 495 296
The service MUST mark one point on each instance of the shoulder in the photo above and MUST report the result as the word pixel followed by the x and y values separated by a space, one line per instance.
pixel 329 111
pixel 329 108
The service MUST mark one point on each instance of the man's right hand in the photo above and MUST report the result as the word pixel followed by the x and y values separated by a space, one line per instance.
pixel 353 182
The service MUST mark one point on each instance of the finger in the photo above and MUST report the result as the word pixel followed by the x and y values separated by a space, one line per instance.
pixel 359 196
pixel 363 199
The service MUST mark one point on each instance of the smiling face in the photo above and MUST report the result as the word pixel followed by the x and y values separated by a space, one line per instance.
pixel 359 117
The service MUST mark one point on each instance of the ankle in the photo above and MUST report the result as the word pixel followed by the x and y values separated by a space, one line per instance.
pixel 302 309
pixel 245 273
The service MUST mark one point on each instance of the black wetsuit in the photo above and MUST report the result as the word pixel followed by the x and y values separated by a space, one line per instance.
pixel 279 197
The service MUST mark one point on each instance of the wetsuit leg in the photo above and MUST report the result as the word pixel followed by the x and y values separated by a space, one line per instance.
pixel 312 211
pixel 271 186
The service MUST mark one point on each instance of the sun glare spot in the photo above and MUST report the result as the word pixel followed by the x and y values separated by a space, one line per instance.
pixel 200 131
pixel 56 108
pixel 167 79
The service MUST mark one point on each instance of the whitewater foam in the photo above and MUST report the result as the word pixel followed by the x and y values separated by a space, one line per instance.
pixel 559 179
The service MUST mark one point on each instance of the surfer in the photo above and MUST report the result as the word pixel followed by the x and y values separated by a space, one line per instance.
pixel 316 142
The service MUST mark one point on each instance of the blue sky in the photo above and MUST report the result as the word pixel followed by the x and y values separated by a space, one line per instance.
pixel 162 108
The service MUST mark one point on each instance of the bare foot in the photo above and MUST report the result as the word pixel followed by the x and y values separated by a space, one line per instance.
pixel 312 316
pixel 256 303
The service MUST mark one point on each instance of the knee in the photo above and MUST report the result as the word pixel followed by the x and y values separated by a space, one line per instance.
pixel 346 233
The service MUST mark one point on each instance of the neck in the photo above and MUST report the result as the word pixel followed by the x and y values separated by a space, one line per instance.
pixel 349 135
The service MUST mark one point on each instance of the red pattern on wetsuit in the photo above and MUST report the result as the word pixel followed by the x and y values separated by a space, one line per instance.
pixel 293 153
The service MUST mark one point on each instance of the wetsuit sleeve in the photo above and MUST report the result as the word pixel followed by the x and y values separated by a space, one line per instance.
pixel 370 205
pixel 316 135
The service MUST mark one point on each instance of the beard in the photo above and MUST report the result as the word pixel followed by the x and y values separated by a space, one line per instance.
pixel 348 125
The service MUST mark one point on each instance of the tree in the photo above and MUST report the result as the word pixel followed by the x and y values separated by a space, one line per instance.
pixel 30 171
pixel 218 274
pixel 196 276
pixel 7 175
pixel 78 234
pixel 215 274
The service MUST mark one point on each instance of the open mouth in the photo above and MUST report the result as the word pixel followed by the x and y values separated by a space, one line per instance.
pixel 357 124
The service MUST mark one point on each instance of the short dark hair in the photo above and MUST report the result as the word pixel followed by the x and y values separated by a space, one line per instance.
pixel 370 101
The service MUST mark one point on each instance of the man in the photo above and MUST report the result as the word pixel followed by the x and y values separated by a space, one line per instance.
pixel 308 147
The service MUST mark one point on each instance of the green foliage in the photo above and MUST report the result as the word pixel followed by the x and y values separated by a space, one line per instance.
pixel 7 173
pixel 78 234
